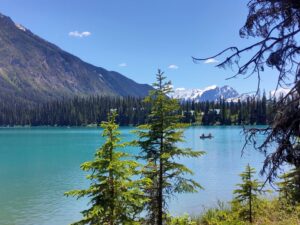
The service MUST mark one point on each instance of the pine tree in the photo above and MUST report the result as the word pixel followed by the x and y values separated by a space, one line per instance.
pixel 116 198
pixel 289 187
pixel 247 193
pixel 158 141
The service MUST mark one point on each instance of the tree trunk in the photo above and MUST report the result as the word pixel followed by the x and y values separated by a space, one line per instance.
pixel 160 184
pixel 160 194
pixel 111 181
pixel 250 209
pixel 160 181
pixel 250 200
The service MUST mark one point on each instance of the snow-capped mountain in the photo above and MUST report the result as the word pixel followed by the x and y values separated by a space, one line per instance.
pixel 211 93
pixel 279 92
pixel 242 97
pixel 214 93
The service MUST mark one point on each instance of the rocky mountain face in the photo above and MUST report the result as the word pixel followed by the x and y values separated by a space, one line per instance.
pixel 211 93
pixel 34 70
pixel 214 93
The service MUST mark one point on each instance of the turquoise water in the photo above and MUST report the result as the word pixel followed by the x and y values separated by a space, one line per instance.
pixel 37 165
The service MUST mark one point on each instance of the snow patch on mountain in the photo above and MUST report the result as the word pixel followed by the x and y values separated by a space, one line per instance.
pixel 280 92
pixel 20 27
pixel 215 93
pixel 210 93
pixel 212 87
pixel 241 97
pixel 186 94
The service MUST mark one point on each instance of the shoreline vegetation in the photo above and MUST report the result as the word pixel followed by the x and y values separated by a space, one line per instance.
pixel 124 126
pixel 91 111
pixel 116 198
pixel 274 211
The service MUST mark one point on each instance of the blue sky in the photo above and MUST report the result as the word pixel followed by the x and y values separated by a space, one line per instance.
pixel 136 37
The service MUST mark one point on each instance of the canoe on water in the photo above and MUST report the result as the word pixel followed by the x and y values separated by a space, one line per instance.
pixel 203 136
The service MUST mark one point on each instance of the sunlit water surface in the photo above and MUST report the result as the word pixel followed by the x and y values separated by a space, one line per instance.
pixel 37 165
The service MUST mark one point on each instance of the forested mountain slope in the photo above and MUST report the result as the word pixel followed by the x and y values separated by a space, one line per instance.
pixel 34 70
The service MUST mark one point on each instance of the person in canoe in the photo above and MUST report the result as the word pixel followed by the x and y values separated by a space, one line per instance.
pixel 203 136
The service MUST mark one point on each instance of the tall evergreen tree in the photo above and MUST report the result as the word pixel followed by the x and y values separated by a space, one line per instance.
pixel 158 140
pixel 116 198
pixel 247 193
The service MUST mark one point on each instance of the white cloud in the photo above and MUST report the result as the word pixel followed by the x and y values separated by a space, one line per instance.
pixel 173 67
pixel 211 60
pixel 79 34
pixel 123 64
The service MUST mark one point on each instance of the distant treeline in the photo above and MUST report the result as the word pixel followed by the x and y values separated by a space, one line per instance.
pixel 133 111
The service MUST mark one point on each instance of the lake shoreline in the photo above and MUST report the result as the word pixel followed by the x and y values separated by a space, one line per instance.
pixel 97 126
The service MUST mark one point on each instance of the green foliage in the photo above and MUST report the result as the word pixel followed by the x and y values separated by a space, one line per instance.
pixel 277 212
pixel 289 187
pixel 220 217
pixel 247 193
pixel 158 141
pixel 271 212
pixel 115 197
pixel 181 220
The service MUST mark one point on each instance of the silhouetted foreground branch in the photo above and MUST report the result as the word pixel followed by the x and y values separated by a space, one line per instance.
pixel 277 24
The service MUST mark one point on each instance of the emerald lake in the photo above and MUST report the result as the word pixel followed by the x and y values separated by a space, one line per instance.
pixel 37 165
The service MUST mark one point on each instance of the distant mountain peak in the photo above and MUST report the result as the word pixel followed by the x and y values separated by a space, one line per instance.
pixel 3 16
pixel 210 93
pixel 215 93
pixel 280 92
pixel 212 87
